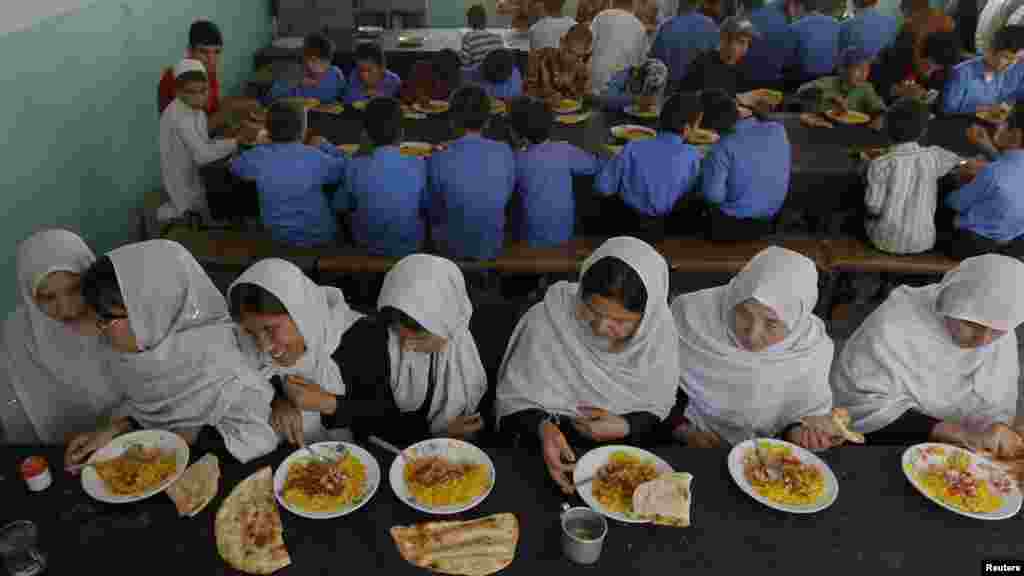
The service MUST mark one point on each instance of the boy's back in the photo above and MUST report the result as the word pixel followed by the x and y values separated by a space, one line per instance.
pixel 544 182
pixel 387 193
pixel 290 178
pixel 817 45
pixel 470 184
pixel 747 172
pixel 652 175
pixel 682 39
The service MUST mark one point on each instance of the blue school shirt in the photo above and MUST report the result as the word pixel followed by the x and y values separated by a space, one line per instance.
pixel 747 172
pixel 544 182
pixel 816 38
pixel 510 89
pixel 290 178
pixel 966 88
pixel 388 87
pixel 870 31
pixel 615 95
pixel 387 194
pixel 768 55
pixel 329 90
pixel 992 205
pixel 681 39
pixel 470 184
pixel 651 175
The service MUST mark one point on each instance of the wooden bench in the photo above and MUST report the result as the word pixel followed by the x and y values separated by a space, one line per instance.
pixel 846 255
pixel 699 255
pixel 236 248
pixel 518 259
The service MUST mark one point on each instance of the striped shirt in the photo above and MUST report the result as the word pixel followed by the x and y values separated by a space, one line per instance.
pixel 902 192
pixel 476 45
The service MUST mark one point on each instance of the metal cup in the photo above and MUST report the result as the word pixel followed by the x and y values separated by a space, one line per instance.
pixel 18 549
pixel 583 532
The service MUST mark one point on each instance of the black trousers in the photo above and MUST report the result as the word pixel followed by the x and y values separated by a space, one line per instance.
pixel 722 227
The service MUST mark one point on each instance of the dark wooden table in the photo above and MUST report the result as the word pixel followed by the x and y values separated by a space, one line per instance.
pixel 879 523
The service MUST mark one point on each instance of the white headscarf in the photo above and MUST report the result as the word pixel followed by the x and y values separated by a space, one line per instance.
pixel 190 371
pixel 322 317
pixel 737 393
pixel 902 357
pixel 432 291
pixel 56 376
pixel 555 363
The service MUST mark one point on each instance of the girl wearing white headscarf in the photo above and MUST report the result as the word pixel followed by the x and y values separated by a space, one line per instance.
pixel 411 371
pixel 56 384
pixel 598 360
pixel 939 362
pixel 756 357
pixel 290 329
pixel 176 359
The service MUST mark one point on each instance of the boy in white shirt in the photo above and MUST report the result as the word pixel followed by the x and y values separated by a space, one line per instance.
pixel 185 143
pixel 620 41
pixel 548 31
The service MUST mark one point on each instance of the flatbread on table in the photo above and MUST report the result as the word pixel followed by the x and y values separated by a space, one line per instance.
pixel 248 527
pixel 837 423
pixel 197 486
pixel 473 548
pixel 665 500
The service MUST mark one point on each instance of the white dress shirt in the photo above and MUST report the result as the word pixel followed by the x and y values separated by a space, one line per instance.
pixel 548 32
pixel 620 41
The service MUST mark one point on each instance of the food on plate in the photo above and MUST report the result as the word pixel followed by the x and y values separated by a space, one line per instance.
pixel 633 133
pixel 837 424
pixel 436 481
pixel 410 40
pixel 498 106
pixel 302 102
pixel 335 108
pixel 665 500
pixel 137 470
pixel 472 548
pixel 702 136
pixel 418 150
pixel 999 114
pixel 777 474
pixel 360 104
pixel 348 148
pixel 566 106
pixel 952 476
pixel 248 527
pixel 196 487
pixel 317 486
pixel 648 112
pixel 848 116
pixel 617 480
pixel 770 97
pixel 433 107
pixel 572 118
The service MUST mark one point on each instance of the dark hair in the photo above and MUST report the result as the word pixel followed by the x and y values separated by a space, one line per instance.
pixel 447 66
pixel 369 52
pixel 253 299
pixel 1016 34
pixel 612 278
pixel 943 48
pixel 476 17
pixel 204 33
pixel 391 316
pixel 532 119
pixel 1005 40
pixel 498 66
pixel 679 111
pixel 1016 119
pixel 554 6
pixel 191 76
pixel 384 121
pixel 906 120
pixel 100 288
pixel 285 122
pixel 720 113
pixel 319 46
pixel 471 108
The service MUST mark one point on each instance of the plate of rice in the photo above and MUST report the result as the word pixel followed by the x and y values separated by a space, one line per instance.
pixel 135 466
pixel 961 481
pixel 783 476
pixel 616 472
pixel 442 476
pixel 312 488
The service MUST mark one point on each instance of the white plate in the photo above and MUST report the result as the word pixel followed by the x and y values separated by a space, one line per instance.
pixel 587 467
pixel 620 131
pixel 650 115
pixel 367 459
pixel 360 104
pixel 442 106
pixel 162 439
pixel 805 456
pixel 452 449
pixel 1011 502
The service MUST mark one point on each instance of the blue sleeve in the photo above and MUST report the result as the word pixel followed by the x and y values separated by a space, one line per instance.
pixel 582 163
pixel 715 176
pixel 955 98
pixel 609 180
pixel 515 84
pixel 964 197
pixel 244 167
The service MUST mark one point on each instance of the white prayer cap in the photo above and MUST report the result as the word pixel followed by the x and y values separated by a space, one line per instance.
pixel 188 65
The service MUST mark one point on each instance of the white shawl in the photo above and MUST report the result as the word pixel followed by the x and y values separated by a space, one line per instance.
pixel 190 371
pixel 902 357
pixel 555 363
pixel 737 393
pixel 620 41
pixel 432 291
pixel 58 385
pixel 322 317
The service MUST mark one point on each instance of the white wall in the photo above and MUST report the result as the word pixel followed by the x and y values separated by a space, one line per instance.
pixel 22 14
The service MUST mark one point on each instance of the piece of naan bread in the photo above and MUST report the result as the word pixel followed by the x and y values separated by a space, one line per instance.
pixel 665 500
pixel 248 527
pixel 837 423
pixel 197 486
pixel 474 548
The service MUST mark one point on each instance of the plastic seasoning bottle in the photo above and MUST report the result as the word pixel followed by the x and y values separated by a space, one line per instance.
pixel 36 473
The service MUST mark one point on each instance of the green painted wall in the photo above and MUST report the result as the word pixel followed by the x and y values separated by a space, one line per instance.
pixel 78 113
pixel 452 13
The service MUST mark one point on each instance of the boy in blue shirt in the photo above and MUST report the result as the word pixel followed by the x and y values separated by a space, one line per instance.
pixel 680 40
pixel 290 177
pixel 985 82
pixel 498 75
pixel 470 183
pixel 745 175
pixel 385 192
pixel 544 171
pixel 816 44
pixel 870 30
pixel 372 79
pixel 773 50
pixel 321 79
pixel 652 176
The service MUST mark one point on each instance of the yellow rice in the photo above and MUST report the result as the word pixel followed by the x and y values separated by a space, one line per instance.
pixel 452 493
pixel 353 491
pixel 618 498
pixel 126 476
pixel 934 484
pixel 777 491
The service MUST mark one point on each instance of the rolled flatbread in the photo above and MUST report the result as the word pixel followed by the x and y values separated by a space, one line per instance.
pixel 248 527
pixel 665 500
pixel 837 423
pixel 473 548
pixel 196 487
